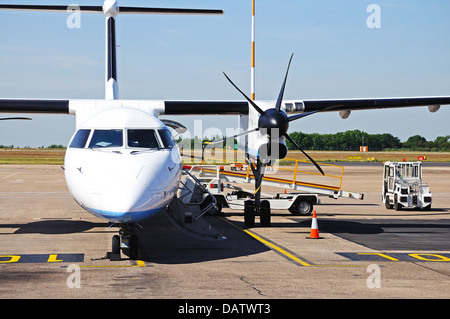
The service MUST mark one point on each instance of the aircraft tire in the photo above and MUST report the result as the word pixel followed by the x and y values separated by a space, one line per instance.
pixel 249 213
pixel 265 213
pixel 116 245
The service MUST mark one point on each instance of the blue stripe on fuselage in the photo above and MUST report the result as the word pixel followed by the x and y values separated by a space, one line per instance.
pixel 124 217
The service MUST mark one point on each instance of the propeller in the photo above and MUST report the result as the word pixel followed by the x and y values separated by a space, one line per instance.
pixel 275 118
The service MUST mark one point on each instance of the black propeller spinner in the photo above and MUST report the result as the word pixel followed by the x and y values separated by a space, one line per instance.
pixel 275 118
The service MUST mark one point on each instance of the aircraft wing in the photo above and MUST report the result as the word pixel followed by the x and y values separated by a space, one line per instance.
pixel 218 107
pixel 205 107
pixel 55 106
pixel 371 104
pixel 34 106
pixel 303 106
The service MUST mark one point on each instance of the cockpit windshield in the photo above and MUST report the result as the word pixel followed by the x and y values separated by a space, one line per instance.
pixel 167 138
pixel 106 138
pixel 136 138
pixel 146 138
pixel 80 139
pixel 143 139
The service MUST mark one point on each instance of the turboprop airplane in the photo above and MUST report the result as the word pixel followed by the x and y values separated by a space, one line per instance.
pixel 122 163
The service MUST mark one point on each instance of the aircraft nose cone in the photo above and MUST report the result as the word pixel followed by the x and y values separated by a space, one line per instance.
pixel 131 192
pixel 149 178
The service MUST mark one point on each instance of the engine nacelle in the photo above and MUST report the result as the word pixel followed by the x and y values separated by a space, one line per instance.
pixel 267 150
pixel 433 108
pixel 344 114
pixel 272 152
pixel 257 143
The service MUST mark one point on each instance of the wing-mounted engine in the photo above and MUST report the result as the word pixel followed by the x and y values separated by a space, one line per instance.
pixel 268 128
pixel 266 145
pixel 265 141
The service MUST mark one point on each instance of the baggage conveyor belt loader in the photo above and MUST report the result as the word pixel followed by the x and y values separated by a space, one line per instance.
pixel 299 200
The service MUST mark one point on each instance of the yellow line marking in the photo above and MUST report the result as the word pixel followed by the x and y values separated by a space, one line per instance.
pixel 265 242
pixel 380 254
pixel 139 263
pixel 274 247
pixel 52 259
pixel 343 266
pixel 282 251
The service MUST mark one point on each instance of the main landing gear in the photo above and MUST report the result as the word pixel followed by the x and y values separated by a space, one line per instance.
pixel 251 210
pixel 257 207
pixel 127 242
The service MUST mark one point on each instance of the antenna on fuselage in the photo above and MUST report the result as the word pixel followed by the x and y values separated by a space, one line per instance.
pixel 110 9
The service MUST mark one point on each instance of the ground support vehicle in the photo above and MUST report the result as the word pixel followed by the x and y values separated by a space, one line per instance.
pixel 297 203
pixel 238 166
pixel 403 186
pixel 300 199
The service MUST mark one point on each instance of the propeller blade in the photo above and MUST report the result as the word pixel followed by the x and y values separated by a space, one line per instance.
pixel 280 96
pixel 312 161
pixel 234 136
pixel 256 107
pixel 14 118
pixel 298 116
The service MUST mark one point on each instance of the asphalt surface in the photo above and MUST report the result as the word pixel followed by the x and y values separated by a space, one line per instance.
pixel 51 248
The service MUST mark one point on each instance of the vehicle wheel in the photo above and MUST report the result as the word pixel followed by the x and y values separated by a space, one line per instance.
pixel 116 245
pixel 265 213
pixel 249 213
pixel 302 207
pixel 305 207
pixel 387 203
pixel 397 205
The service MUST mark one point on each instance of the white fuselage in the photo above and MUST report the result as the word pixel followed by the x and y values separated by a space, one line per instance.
pixel 122 165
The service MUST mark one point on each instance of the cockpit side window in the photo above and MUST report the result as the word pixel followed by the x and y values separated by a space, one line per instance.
pixel 143 139
pixel 106 138
pixel 167 138
pixel 80 139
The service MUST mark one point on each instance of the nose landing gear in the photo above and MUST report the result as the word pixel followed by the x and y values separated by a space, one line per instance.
pixel 126 242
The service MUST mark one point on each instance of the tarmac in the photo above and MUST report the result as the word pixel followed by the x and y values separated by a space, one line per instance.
pixel 50 248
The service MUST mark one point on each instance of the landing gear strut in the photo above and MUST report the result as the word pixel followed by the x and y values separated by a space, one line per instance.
pixel 127 242
pixel 257 206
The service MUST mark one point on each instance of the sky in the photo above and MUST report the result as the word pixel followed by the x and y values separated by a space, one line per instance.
pixel 340 51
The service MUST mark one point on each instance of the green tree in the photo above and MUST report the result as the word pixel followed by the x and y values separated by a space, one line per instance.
pixel 416 143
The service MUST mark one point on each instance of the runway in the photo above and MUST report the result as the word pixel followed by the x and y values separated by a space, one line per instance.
pixel 51 248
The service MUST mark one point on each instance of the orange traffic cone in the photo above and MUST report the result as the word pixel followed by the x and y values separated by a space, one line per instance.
pixel 314 227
